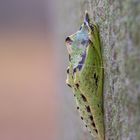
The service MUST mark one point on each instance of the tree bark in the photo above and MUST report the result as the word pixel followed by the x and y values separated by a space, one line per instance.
pixel 119 23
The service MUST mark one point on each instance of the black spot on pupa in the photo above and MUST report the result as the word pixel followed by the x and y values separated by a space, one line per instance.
pixel 96 79
pixel 93 124
pixel 91 118
pixel 69 85
pixel 74 95
pixel 68 40
pixel 96 131
pixel 77 85
pixel 84 42
pixel 84 98
pixel 74 70
pixel 68 71
pixel 94 75
pixel 78 107
pixel 81 118
pixel 80 28
pixel 88 109
pixel 90 42
pixel 69 58
pixel 80 65
pixel 92 27
pixel 85 125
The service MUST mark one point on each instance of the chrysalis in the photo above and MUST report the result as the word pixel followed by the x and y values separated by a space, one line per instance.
pixel 85 75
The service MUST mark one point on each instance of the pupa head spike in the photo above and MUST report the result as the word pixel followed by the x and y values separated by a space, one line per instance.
pixel 86 19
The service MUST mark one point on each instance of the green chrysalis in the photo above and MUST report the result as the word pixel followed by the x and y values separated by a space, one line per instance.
pixel 85 75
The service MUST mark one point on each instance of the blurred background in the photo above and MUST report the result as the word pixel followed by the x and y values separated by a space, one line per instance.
pixel 35 102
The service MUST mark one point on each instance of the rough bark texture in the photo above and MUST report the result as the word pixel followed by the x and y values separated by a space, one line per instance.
pixel 119 22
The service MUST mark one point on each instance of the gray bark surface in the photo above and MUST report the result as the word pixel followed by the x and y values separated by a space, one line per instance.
pixel 119 22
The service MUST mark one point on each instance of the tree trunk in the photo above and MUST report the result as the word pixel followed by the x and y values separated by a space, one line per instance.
pixel 119 22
